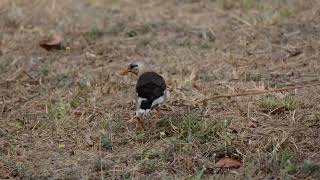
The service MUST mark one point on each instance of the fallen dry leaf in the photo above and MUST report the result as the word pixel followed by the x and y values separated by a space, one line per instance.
pixel 4 4
pixel 252 124
pixel 88 139
pixel 196 86
pixel 54 41
pixel 235 127
pixel 90 56
pixel 228 163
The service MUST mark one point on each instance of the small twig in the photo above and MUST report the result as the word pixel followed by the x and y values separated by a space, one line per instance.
pixel 100 156
pixel 255 93
pixel 3 107
pixel 234 16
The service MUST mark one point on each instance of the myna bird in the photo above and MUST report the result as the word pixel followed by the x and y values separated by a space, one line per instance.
pixel 151 90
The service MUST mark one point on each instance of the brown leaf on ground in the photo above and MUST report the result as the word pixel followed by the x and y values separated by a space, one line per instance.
pixel 252 124
pixel 88 139
pixel 4 3
pixel 54 41
pixel 228 163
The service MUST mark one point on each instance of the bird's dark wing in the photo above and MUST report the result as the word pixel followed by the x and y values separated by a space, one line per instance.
pixel 150 85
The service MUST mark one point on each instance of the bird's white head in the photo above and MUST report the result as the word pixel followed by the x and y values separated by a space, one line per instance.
pixel 135 68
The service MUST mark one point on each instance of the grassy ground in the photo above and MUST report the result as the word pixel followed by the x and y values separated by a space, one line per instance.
pixel 63 114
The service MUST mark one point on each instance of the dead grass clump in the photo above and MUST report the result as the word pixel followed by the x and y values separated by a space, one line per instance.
pixel 202 38
pixel 102 164
pixel 11 168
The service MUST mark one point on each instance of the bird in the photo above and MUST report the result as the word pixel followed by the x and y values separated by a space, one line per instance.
pixel 151 90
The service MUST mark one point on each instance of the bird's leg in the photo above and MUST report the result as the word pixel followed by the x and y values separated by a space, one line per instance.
pixel 166 108
pixel 154 124
pixel 138 121
pixel 158 112
pixel 141 122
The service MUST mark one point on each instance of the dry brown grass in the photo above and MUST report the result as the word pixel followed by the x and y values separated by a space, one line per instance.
pixel 63 114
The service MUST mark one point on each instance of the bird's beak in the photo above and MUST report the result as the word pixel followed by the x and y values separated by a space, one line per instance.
pixel 125 72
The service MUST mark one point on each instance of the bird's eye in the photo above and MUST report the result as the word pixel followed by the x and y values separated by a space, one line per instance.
pixel 133 66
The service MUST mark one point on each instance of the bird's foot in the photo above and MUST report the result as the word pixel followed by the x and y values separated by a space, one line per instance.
pixel 165 107
pixel 157 118
pixel 139 123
